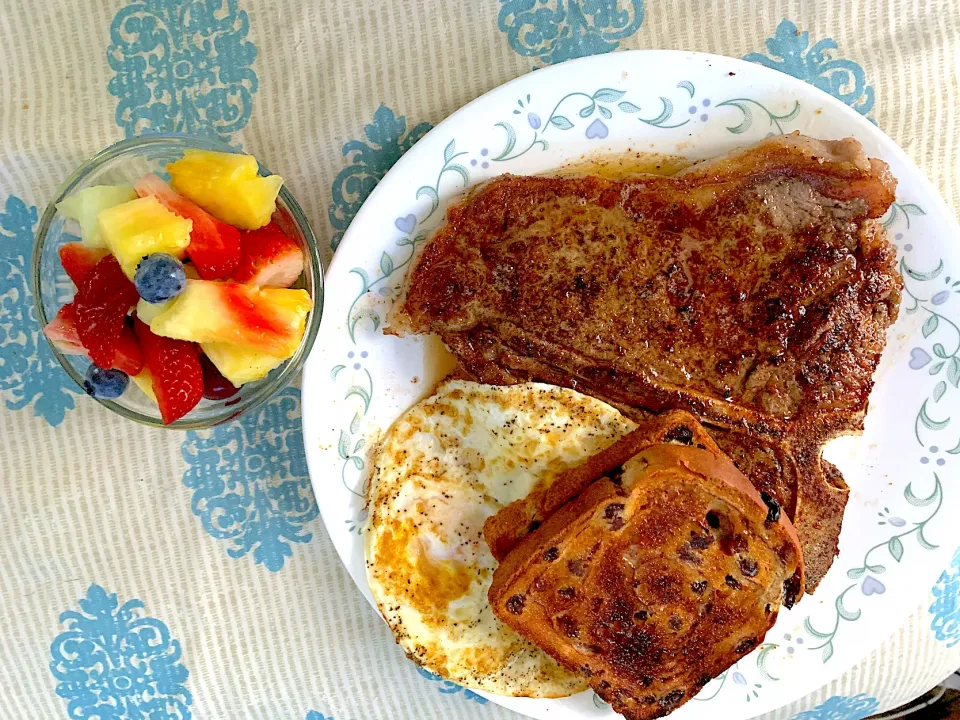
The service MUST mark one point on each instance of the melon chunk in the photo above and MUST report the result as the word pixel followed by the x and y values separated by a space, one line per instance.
pixel 84 206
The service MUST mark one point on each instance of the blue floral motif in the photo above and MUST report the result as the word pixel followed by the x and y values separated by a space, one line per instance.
pixel 557 30
pixel 29 372
pixel 448 687
pixel 844 79
pixel 182 66
pixel 113 663
pixel 842 708
pixel 368 163
pixel 250 483
pixel 316 715
pixel 946 607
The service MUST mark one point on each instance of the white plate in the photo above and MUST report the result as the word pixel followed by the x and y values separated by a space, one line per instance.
pixel 897 535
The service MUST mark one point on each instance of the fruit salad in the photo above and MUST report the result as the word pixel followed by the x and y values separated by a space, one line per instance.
pixel 183 287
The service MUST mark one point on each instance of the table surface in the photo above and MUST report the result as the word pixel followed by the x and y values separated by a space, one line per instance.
pixel 187 574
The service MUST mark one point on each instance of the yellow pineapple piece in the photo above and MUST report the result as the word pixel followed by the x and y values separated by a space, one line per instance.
pixel 85 205
pixel 147 311
pixel 241 363
pixel 144 381
pixel 229 166
pixel 269 320
pixel 228 186
pixel 135 229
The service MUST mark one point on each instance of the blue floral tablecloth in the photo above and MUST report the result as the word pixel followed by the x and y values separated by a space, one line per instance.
pixel 180 575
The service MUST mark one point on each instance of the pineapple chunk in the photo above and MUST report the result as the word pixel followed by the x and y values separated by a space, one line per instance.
pixel 229 166
pixel 144 381
pixel 142 227
pixel 270 320
pixel 84 206
pixel 240 363
pixel 147 311
pixel 228 186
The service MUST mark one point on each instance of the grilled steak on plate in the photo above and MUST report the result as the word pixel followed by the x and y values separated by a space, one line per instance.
pixel 753 290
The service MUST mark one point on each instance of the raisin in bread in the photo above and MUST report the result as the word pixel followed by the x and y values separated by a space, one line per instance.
pixel 515 521
pixel 652 587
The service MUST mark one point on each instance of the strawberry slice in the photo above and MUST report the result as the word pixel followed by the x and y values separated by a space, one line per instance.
pixel 214 246
pixel 103 298
pixel 78 259
pixel 268 258
pixel 62 332
pixel 177 374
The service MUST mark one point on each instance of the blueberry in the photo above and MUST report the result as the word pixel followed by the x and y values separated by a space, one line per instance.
pixel 105 384
pixel 159 277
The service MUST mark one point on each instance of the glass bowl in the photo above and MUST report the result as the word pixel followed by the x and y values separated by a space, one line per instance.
pixel 125 162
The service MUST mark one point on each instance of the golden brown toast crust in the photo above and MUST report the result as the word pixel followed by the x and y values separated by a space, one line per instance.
pixel 512 523
pixel 810 490
pixel 652 588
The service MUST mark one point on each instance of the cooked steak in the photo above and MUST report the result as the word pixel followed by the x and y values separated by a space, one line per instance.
pixel 753 291
pixel 653 587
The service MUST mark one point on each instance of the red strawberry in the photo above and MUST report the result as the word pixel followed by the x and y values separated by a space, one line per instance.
pixel 62 332
pixel 177 374
pixel 102 301
pixel 129 357
pixel 268 258
pixel 215 385
pixel 78 259
pixel 214 246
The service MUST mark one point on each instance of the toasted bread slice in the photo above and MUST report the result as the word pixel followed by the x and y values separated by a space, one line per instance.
pixel 512 523
pixel 814 507
pixel 653 587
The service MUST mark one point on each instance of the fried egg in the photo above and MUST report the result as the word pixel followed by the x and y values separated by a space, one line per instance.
pixel 444 467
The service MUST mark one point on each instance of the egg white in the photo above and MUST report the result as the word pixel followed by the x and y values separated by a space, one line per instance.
pixel 444 467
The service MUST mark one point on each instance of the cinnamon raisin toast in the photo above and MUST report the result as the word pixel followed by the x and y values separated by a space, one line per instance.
pixel 771 468
pixel 653 587
pixel 808 488
pixel 515 521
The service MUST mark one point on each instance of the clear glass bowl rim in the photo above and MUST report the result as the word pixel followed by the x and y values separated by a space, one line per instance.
pixel 266 390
